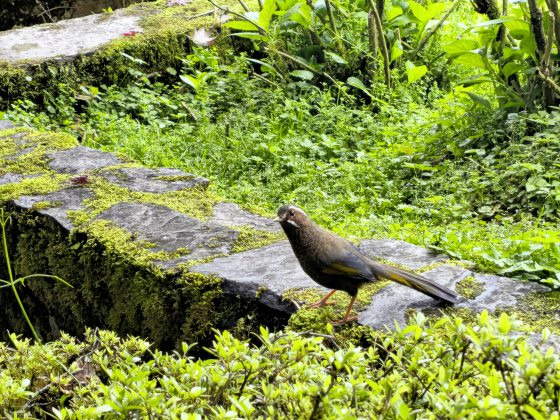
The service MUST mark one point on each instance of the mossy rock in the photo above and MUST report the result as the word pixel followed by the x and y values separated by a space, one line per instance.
pixel 153 34
pixel 124 236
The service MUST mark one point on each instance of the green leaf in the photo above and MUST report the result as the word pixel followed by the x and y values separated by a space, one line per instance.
pixel 242 25
pixel 529 46
pixel 481 100
pixel 471 60
pixel 189 80
pixel 250 35
pixel 533 412
pixel 460 46
pixel 358 84
pixel 419 12
pixel 504 326
pixel 335 57
pixel 302 74
pixel 265 15
pixel 396 51
pixel 393 13
pixel 512 68
pixel 415 73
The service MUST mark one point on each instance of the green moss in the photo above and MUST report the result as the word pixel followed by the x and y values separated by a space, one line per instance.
pixel 41 205
pixel 32 186
pixel 538 311
pixel 195 202
pixel 119 241
pixel 250 238
pixel 260 292
pixel 309 319
pixel 469 287
pixel 175 178
pixel 33 147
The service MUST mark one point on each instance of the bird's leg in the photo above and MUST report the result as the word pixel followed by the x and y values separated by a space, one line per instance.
pixel 323 301
pixel 347 318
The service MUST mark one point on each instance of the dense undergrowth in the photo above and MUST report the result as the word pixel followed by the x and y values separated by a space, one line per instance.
pixel 428 166
pixel 443 370
pixel 448 139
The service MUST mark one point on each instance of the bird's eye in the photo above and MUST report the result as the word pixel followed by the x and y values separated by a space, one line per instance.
pixel 292 214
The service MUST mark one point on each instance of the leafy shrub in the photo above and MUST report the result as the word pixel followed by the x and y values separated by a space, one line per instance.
pixel 447 369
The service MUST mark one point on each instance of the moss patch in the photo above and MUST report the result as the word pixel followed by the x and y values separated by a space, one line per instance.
pixel 470 287
pixel 251 238
pixel 538 311
pixel 194 202
pixel 317 318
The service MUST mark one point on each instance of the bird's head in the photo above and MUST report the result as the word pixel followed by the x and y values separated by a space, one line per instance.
pixel 291 215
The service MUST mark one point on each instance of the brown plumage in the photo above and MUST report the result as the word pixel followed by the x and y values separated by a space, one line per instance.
pixel 338 264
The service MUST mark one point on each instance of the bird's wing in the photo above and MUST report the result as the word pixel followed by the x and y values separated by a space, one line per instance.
pixel 348 263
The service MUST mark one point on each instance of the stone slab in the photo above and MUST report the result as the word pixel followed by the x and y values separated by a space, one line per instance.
pixel 81 159
pixel 401 252
pixel 230 214
pixel 63 201
pixel 154 180
pixel 170 230
pixel 11 178
pixel 67 38
pixel 270 271
pixel 265 272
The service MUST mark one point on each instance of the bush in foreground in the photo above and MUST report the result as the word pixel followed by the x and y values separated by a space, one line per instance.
pixel 446 369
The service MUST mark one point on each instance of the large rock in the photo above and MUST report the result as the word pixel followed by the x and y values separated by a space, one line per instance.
pixel 267 273
pixel 167 270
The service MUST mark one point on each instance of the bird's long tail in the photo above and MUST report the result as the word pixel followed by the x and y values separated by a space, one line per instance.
pixel 416 282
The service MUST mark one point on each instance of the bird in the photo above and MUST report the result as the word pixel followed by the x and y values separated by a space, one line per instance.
pixel 336 263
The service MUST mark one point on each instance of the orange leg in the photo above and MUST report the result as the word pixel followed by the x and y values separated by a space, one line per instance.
pixel 347 318
pixel 323 301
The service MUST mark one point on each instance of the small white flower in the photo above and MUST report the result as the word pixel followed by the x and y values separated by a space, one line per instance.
pixel 177 2
pixel 202 38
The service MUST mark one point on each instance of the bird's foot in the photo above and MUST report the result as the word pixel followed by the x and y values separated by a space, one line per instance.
pixel 319 304
pixel 345 320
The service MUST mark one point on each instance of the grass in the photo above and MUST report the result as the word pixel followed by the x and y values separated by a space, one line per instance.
pixel 426 167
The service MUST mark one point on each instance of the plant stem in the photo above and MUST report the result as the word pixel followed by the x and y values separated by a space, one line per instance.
pixel 3 222
pixel 382 43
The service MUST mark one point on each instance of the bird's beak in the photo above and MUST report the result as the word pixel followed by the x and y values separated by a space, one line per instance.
pixel 277 219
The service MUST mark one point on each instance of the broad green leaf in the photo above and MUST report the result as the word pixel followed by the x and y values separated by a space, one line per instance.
pixel 512 68
pixel 472 60
pixel 265 15
pixel 415 73
pixel 494 22
pixel 250 35
pixel 393 13
pixel 436 9
pixel 242 25
pixel 190 80
pixel 529 46
pixel 481 100
pixel 303 16
pixel 419 11
pixel 460 46
pixel 335 57
pixel 358 84
pixel 503 323
pixel 302 74
pixel 512 52
pixel 396 51
pixel 265 67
